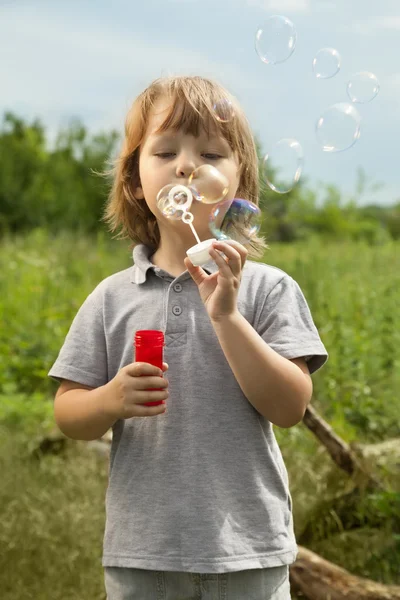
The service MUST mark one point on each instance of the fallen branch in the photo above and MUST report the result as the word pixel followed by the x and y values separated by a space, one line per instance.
pixel 318 579
pixel 339 451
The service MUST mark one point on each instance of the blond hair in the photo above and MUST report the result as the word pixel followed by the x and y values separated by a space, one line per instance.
pixel 192 107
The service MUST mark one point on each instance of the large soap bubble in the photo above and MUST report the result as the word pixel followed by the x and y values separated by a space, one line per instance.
pixel 275 40
pixel 282 166
pixel 363 87
pixel 338 128
pixel 241 220
pixel 208 185
pixel 326 63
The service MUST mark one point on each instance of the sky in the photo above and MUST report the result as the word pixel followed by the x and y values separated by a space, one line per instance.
pixel 90 59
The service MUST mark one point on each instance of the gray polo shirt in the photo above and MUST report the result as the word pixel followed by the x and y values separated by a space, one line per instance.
pixel 202 488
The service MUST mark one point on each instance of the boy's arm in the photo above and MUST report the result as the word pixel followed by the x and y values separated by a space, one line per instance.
pixel 278 388
pixel 80 411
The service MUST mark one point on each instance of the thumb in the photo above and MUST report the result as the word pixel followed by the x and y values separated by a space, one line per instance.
pixel 197 273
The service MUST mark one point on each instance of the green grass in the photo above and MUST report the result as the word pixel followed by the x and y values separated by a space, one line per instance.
pixel 53 509
pixel 52 519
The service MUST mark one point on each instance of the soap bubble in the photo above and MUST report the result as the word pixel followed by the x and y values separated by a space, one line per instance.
pixel 173 200
pixel 363 87
pixel 241 219
pixel 338 128
pixel 224 111
pixel 208 185
pixel 326 63
pixel 276 40
pixel 283 165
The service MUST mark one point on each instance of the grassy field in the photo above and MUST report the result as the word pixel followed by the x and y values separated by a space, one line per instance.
pixel 53 509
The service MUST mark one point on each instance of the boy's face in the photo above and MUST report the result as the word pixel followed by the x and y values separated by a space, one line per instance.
pixel 170 157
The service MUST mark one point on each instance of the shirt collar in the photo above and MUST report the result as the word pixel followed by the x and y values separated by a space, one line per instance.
pixel 142 263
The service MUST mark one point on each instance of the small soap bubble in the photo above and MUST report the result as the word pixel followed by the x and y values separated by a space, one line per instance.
pixel 236 219
pixel 326 63
pixel 208 185
pixel 165 205
pixel 338 128
pixel 275 40
pixel 363 87
pixel 224 111
pixel 283 165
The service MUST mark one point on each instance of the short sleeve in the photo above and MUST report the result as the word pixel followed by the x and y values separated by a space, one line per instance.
pixel 83 356
pixel 286 325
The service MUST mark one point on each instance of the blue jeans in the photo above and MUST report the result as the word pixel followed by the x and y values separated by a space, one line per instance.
pixel 140 584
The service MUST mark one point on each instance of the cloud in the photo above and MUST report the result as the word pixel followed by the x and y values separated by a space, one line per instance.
pixel 374 24
pixel 282 6
pixel 325 7
pixel 58 65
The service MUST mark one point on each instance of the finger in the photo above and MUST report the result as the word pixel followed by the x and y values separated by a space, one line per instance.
pixel 233 259
pixel 146 383
pixel 142 368
pixel 149 411
pixel 240 248
pixel 165 366
pixel 143 396
pixel 233 251
pixel 197 273
pixel 224 267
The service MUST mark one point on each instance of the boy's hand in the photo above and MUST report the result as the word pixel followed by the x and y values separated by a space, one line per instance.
pixel 129 390
pixel 219 291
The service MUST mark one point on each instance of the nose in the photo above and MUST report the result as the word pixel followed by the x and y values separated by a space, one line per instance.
pixel 185 165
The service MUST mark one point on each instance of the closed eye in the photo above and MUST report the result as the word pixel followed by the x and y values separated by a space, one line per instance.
pixel 212 156
pixel 207 156
pixel 165 154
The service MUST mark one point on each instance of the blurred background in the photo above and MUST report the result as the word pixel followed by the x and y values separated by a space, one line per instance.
pixel 69 73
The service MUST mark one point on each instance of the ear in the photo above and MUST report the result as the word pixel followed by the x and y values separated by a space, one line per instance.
pixel 139 193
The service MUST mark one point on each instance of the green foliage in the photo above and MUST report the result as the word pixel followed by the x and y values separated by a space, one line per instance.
pixel 302 213
pixel 353 291
pixel 54 188
pixel 42 284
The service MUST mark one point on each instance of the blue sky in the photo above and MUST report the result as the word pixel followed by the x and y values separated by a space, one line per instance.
pixel 89 59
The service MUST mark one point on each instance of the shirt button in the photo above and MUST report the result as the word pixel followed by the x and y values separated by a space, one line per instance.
pixel 178 287
pixel 177 310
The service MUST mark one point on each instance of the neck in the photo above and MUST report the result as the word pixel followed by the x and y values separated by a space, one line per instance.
pixel 171 252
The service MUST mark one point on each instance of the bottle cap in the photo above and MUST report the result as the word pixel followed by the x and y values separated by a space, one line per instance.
pixel 149 337
pixel 199 254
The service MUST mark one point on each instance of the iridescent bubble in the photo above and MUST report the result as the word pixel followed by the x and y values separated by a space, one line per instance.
pixel 283 165
pixel 275 40
pixel 338 128
pixel 326 63
pixel 224 111
pixel 208 184
pixel 363 87
pixel 168 203
pixel 236 219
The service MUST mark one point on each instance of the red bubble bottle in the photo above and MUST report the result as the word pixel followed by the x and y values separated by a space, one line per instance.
pixel 149 345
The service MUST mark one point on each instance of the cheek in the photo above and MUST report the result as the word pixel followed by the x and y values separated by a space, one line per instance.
pixel 235 181
pixel 148 175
